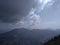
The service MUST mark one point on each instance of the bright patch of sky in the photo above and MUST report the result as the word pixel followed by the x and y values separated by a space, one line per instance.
pixel 45 14
pixel 34 16
pixel 44 3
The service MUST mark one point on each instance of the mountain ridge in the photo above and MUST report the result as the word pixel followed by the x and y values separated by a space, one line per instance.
pixel 24 36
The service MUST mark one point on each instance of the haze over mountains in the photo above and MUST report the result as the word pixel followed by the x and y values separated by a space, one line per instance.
pixel 24 36
pixel 36 15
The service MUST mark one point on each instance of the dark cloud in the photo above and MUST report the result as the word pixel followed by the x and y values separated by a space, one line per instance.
pixel 14 10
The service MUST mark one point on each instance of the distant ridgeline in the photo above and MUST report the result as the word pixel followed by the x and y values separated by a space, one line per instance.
pixel 24 36
pixel 54 41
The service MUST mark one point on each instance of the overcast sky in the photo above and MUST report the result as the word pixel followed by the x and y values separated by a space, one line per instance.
pixel 36 14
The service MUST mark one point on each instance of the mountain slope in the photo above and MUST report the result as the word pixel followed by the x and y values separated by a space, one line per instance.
pixel 24 36
pixel 53 41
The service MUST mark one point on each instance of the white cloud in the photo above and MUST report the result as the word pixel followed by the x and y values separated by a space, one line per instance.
pixel 41 4
pixel 32 20
pixel 29 21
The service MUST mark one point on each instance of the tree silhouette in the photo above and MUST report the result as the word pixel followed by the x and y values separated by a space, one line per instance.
pixel 53 41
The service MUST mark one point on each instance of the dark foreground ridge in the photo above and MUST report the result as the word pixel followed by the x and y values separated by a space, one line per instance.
pixel 54 41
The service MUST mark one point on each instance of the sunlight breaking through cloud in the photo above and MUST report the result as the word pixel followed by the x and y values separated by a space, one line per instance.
pixel 43 3
pixel 33 20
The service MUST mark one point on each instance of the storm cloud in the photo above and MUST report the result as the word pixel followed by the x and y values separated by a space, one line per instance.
pixel 14 10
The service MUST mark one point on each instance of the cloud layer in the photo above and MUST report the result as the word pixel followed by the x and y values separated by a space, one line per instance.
pixel 14 10
pixel 30 20
pixel 27 13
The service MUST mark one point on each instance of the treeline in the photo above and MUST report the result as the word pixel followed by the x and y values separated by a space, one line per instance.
pixel 53 41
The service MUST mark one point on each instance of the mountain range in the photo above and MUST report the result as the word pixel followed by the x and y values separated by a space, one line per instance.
pixel 24 36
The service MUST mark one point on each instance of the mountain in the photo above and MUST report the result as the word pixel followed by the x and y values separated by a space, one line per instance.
pixel 24 36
